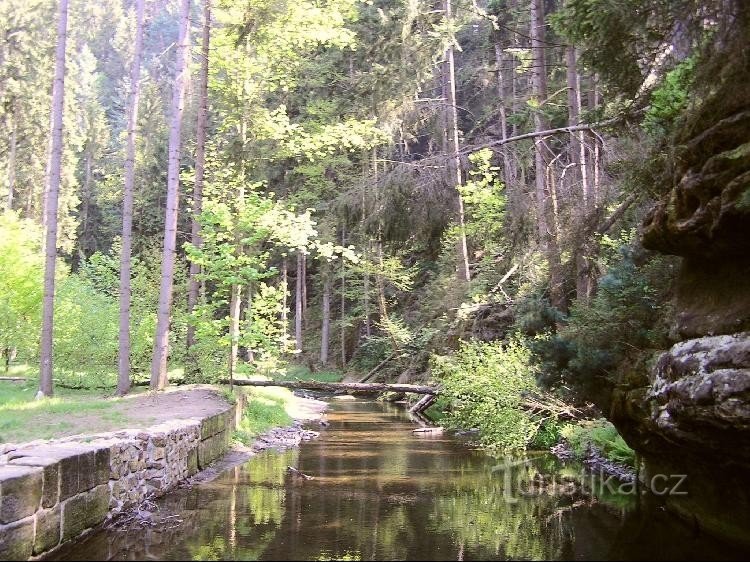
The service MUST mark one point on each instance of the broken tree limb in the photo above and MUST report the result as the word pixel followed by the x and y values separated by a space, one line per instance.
pixel 544 133
pixel 424 403
pixel 342 386
pixel 377 367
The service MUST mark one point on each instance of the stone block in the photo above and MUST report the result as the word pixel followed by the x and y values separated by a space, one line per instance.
pixel 212 448
pixel 84 511
pixel 50 476
pixel 102 460
pixel 17 540
pixel 192 461
pixel 20 492
pixel 47 529
pixel 86 470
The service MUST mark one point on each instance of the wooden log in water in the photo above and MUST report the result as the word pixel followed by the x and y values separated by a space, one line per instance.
pixel 341 386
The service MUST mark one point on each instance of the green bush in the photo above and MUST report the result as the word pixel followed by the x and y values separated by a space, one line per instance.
pixel 600 434
pixel 485 383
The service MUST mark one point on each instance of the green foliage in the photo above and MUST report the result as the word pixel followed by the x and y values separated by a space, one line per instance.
pixel 266 409
pixel 627 314
pixel 296 372
pixel 20 285
pixel 484 200
pixel 600 434
pixel 485 383
pixel 548 434
pixel 670 99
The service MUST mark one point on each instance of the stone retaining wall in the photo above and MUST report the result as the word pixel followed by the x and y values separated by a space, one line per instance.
pixel 53 492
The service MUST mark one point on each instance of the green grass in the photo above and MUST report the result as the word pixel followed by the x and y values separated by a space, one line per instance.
pixel 22 418
pixel 303 373
pixel 266 409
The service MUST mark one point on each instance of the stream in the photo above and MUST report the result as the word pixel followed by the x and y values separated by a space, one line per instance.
pixel 381 492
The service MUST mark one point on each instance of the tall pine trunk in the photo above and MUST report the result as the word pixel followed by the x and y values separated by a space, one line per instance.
pixel 200 161
pixel 123 379
pixel 547 234
pixel 325 331
pixel 509 173
pixel 298 302
pixel 161 339
pixel 13 145
pixel 51 202
pixel 452 148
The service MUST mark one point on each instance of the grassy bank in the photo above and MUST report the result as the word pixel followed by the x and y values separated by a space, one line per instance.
pixel 22 418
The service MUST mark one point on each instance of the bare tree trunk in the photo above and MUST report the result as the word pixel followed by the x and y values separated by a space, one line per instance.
pixel 579 158
pixel 342 329
pixel 249 353
pixel 161 339
pixel 235 302
pixel 123 378
pixel 577 147
pixel 200 161
pixel 285 296
pixel 325 330
pixel 452 148
pixel 51 198
pixel 12 146
pixel 298 303
pixel 509 173
pixel 593 103
pixel 304 289
pixel 539 92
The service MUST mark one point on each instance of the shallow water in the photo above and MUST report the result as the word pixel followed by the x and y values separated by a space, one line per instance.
pixel 381 492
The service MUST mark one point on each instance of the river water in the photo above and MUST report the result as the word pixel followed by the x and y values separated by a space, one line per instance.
pixel 381 492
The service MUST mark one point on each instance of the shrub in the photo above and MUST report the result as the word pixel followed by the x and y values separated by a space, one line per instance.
pixel 600 434
pixel 485 383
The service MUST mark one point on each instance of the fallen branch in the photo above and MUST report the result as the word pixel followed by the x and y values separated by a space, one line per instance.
pixel 377 367
pixel 341 386
pixel 299 473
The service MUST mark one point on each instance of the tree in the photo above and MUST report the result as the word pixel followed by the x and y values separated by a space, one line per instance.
pixel 164 312
pixel 123 381
pixel 452 147
pixel 200 161
pixel 547 231
pixel 51 203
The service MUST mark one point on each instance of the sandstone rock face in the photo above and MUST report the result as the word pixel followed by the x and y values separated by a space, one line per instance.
pixel 691 413
pixel 701 392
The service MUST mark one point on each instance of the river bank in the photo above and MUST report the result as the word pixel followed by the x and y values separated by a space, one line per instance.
pixel 55 491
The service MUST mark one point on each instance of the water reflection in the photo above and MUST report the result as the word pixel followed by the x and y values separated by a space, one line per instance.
pixel 380 492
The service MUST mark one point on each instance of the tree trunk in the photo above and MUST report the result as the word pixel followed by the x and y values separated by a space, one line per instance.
pixel 161 339
pixel 248 321
pixel 342 330
pixel 345 386
pixel 235 303
pixel 12 146
pixel 200 160
pixel 579 158
pixel 577 145
pixel 51 199
pixel 123 378
pixel 547 237
pixel 298 303
pixel 304 289
pixel 509 173
pixel 452 148
pixel 285 296
pixel 325 330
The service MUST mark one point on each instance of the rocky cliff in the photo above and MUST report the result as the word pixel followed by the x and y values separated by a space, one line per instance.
pixel 691 413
